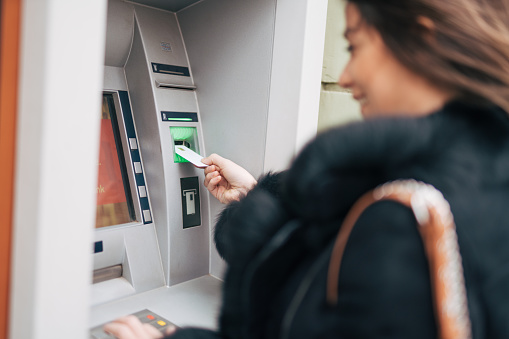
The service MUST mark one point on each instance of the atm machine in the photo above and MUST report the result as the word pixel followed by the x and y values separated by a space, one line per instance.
pixel 193 73
pixel 240 78
pixel 152 245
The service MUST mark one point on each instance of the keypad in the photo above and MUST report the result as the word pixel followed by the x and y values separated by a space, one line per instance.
pixel 145 316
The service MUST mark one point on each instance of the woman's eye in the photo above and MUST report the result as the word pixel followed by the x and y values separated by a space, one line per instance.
pixel 349 48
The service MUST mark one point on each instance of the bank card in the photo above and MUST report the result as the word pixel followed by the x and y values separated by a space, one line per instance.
pixel 190 156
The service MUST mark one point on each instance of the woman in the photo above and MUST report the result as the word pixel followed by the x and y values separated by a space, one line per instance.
pixel 433 77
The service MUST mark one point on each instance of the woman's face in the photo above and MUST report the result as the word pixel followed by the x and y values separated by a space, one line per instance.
pixel 381 84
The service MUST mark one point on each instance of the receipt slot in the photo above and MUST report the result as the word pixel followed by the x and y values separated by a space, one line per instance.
pixel 190 201
pixel 190 194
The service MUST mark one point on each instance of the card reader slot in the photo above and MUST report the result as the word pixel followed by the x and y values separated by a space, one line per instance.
pixel 185 136
pixel 183 143
pixel 107 273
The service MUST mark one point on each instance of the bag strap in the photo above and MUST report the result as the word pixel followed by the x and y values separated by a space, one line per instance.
pixel 438 231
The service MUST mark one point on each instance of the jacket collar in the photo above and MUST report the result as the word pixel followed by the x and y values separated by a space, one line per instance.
pixel 450 148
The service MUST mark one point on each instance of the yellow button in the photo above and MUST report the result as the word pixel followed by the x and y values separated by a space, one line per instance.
pixel 162 323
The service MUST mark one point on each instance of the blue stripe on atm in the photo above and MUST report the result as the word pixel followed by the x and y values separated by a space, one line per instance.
pixel 140 180
pixel 144 204
pixel 128 116
pixel 135 155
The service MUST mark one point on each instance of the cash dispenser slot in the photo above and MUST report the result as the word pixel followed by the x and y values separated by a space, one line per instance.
pixel 107 273
pixel 174 86
pixel 186 136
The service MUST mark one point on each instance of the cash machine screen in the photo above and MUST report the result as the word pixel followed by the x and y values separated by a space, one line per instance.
pixel 114 199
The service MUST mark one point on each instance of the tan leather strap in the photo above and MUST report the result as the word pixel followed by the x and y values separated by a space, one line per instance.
pixel 438 232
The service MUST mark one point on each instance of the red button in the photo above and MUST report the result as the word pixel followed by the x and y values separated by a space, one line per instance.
pixel 151 317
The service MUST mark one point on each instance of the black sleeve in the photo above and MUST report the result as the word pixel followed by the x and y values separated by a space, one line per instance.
pixel 384 285
pixel 245 214
pixel 384 288
pixel 496 296
pixel 194 333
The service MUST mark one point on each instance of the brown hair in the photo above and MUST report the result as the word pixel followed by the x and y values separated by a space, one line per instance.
pixel 466 50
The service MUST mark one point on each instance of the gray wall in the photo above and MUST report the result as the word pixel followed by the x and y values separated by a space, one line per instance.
pixel 229 44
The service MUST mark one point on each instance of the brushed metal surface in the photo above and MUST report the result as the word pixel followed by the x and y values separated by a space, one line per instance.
pixel 107 273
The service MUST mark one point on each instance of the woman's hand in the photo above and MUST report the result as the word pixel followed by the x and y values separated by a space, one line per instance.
pixel 130 327
pixel 226 180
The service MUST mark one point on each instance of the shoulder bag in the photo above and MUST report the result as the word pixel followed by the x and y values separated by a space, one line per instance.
pixel 438 231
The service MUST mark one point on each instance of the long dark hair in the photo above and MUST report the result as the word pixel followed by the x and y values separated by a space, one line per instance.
pixel 465 51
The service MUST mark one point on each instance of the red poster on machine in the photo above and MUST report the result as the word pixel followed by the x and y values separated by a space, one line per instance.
pixel 110 187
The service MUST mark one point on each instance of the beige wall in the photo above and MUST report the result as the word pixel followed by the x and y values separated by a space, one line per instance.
pixel 337 106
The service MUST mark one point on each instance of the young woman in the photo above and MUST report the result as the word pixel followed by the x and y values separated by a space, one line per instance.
pixel 432 78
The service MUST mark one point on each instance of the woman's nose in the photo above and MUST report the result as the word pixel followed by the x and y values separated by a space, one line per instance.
pixel 345 80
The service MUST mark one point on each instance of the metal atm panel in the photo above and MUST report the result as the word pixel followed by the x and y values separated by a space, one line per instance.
pixel 185 250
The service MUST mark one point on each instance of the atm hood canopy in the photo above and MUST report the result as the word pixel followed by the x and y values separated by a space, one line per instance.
pixel 169 5
pixel 120 28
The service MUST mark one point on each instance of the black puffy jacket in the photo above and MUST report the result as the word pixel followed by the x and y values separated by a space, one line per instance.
pixel 277 240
